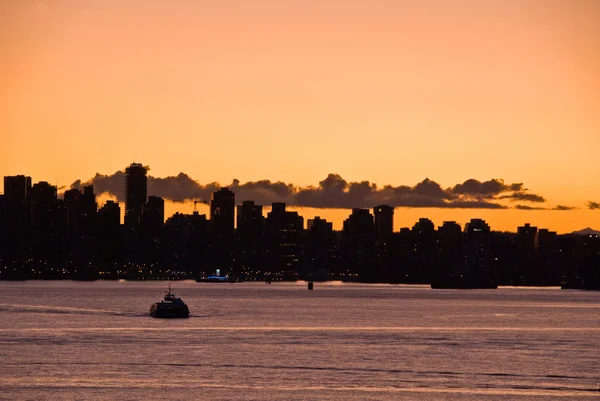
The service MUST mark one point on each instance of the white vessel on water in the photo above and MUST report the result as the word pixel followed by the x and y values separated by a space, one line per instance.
pixel 170 307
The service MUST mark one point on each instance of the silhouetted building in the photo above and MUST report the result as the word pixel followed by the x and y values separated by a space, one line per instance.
pixel 15 215
pixel 320 247
pixel 451 245
pixel 424 256
pixel 384 228
pixel 249 217
pixel 151 224
pixel 110 214
pixel 3 232
pixel 43 199
pixel 478 253
pixel 222 211
pixel 587 274
pixel 153 213
pixel 186 241
pixel 359 244
pixel 136 192
pixel 222 216
pixel 526 239
pixel 82 230
pixel 504 258
pixel 526 265
pixel 81 211
pixel 48 221
pixel 400 255
pixel 16 197
pixel 549 269
pixel 251 246
pixel 284 235
pixel 384 221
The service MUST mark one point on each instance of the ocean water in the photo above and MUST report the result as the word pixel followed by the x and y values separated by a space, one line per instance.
pixel 253 341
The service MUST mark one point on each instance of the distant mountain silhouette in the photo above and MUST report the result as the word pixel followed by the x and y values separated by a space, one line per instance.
pixel 586 231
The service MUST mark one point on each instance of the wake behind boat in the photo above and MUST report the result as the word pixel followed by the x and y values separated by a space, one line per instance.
pixel 171 306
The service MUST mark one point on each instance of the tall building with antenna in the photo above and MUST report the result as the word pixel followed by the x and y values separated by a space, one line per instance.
pixel 136 193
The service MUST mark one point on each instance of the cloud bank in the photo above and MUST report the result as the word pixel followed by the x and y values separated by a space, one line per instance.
pixel 332 192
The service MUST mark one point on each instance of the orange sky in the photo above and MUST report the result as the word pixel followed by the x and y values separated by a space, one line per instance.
pixel 388 91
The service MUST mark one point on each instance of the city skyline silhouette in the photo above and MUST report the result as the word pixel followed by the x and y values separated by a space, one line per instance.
pixel 47 237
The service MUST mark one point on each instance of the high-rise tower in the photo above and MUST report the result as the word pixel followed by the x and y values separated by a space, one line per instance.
pixel 136 192
pixel 222 211
pixel 222 214
pixel 384 221
pixel 16 198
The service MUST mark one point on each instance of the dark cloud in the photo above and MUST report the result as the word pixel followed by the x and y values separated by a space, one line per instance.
pixel 476 205
pixel 557 207
pixel 113 184
pixel 262 192
pixel 593 205
pixel 179 188
pixel 522 196
pixel 495 189
pixel 432 189
pixel 332 192
pixel 486 189
pixel 527 207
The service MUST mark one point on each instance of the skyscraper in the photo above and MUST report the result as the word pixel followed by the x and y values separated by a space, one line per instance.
pixel 81 210
pixel 478 251
pixel 424 251
pixel 153 215
pixel 384 229
pixel 43 203
pixel 359 243
pixel 16 198
pixel 384 221
pixel 251 237
pixel 249 218
pixel 320 244
pixel 136 192
pixel 451 256
pixel 110 216
pixel 222 212
pixel 14 217
pixel 285 231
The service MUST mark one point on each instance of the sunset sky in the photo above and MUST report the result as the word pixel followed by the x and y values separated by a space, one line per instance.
pixel 386 91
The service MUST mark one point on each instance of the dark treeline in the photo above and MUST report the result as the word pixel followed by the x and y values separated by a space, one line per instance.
pixel 44 237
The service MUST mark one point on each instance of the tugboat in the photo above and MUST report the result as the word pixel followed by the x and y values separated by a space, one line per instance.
pixel 171 306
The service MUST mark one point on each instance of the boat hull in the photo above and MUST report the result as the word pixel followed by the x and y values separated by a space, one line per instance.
pixel 166 311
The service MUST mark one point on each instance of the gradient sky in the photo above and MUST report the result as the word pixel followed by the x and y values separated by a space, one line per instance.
pixel 388 91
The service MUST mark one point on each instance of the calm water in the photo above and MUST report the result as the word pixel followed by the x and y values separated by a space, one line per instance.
pixel 70 340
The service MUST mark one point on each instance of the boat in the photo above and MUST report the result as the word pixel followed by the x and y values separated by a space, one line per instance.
pixel 215 279
pixel 170 307
pixel 218 278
